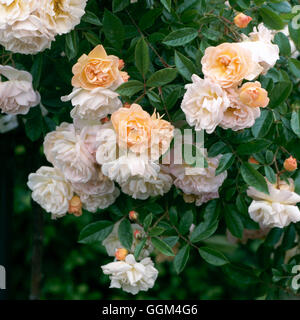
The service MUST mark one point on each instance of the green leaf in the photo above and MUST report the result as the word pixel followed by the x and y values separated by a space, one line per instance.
pixel 213 256
pixel 173 214
pixel 271 18
pixel 72 44
pixel 185 222
pixel 283 43
pixel 156 231
pixel 270 174
pixel 162 247
pixel 280 93
pixel 139 247
pixel 147 221
pixel 171 241
pixel 180 37
pixel 253 178
pixel 130 88
pixel 218 148
pixel 36 70
pixel 91 18
pixel 233 221
pixel 225 162
pixel 92 38
pixel 184 66
pixel 113 29
pixel 273 237
pixel 34 124
pixel 263 124
pixel 294 66
pixel 162 77
pixel 119 5
pixel 253 146
pixel 125 234
pixel 167 4
pixel 147 20
pixel 203 231
pixel 181 258
pixel 142 59
pixel 241 276
pixel 295 122
pixel 95 232
pixel 295 35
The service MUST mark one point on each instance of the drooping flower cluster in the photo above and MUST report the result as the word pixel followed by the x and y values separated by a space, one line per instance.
pixel 17 95
pixel 29 26
pixel 219 99
pixel 276 209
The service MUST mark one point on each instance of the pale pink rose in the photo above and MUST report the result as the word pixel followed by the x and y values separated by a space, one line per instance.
pixel 66 151
pixel 202 183
pixel 238 116
pixel 99 184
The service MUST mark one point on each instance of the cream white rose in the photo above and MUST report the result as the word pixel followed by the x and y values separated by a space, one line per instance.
pixel 278 209
pixel 15 10
pixel 262 49
pixel 28 36
pixel 204 104
pixel 99 201
pixel 140 188
pixel 201 183
pixel 65 150
pixel 128 166
pixel 93 105
pixel 17 95
pixel 130 275
pixel 50 190
pixel 62 16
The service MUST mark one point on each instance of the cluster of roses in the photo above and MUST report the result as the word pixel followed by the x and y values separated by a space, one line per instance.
pixel 30 26
pixel 219 99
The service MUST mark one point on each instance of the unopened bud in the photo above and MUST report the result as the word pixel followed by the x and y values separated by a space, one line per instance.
pixel 252 160
pixel 75 206
pixel 290 164
pixel 242 20
pixel 137 234
pixel 121 64
pixel 104 120
pixel 126 105
pixel 121 254
pixel 124 75
pixel 133 216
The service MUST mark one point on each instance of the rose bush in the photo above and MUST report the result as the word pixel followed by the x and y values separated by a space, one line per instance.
pixel 148 79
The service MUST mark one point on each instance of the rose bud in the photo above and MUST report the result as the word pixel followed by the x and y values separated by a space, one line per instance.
pixel 252 160
pixel 104 120
pixel 290 164
pixel 242 20
pixel 126 105
pixel 75 206
pixel 121 254
pixel 133 216
pixel 253 95
pixel 125 76
pixel 121 64
pixel 137 234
